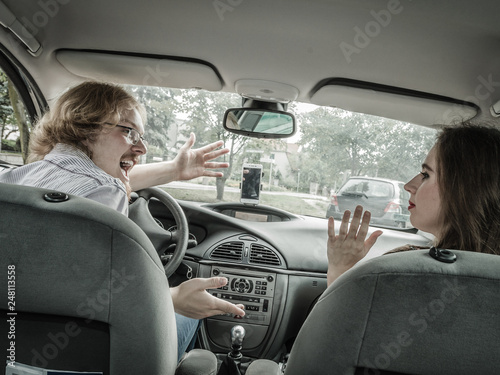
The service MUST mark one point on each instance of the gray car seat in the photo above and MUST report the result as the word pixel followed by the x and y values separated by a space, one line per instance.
pixel 87 289
pixel 406 313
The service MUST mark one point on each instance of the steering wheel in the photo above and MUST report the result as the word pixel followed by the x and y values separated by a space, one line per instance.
pixel 161 238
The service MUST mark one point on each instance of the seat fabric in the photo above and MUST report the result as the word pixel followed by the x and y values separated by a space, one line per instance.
pixel 405 313
pixel 90 291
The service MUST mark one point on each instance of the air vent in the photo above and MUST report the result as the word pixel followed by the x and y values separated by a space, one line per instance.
pixel 229 251
pixel 262 255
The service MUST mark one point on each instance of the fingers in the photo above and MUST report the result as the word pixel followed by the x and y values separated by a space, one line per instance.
pixel 373 238
pixel 201 284
pixel 365 223
pixel 190 142
pixel 209 173
pixel 353 233
pixel 223 307
pixel 359 227
pixel 215 165
pixel 229 308
pixel 215 282
pixel 345 224
pixel 356 218
pixel 213 146
pixel 215 154
pixel 331 228
pixel 191 299
pixel 349 246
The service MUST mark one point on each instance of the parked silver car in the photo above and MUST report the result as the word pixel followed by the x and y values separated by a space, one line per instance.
pixel 387 200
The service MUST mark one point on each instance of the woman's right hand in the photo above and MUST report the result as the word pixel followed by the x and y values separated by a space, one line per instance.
pixel 349 246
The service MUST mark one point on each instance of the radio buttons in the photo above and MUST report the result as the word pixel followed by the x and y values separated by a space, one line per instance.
pixel 255 290
pixel 241 285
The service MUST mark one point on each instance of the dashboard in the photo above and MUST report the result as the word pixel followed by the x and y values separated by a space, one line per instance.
pixel 275 263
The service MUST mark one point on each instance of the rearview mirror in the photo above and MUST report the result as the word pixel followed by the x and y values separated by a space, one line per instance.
pixel 259 123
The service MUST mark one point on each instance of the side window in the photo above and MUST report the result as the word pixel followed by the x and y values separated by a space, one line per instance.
pixel 15 124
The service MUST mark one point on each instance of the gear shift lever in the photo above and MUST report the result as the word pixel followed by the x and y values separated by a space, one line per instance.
pixel 237 336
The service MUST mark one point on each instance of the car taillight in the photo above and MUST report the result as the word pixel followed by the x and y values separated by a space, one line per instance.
pixel 333 200
pixel 393 207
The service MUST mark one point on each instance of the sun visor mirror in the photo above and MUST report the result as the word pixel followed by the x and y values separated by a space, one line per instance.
pixel 260 120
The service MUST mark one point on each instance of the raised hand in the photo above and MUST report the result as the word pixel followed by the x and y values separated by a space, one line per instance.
pixel 191 163
pixel 349 246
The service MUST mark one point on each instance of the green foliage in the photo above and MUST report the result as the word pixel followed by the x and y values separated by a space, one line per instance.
pixel 9 145
pixel 204 113
pixel 7 120
pixel 337 144
pixel 161 106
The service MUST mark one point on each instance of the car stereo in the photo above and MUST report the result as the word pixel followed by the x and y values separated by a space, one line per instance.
pixel 253 289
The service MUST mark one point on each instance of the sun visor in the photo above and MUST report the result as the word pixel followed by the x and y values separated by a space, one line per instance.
pixel 138 70
pixel 397 104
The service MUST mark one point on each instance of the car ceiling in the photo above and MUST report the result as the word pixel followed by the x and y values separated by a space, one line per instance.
pixel 423 52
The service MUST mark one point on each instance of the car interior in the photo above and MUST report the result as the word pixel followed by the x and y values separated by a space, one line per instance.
pixel 86 289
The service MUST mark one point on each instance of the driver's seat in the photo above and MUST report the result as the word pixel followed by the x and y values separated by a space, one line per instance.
pixel 84 286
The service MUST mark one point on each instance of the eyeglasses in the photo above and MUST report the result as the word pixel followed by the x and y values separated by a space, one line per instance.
pixel 133 136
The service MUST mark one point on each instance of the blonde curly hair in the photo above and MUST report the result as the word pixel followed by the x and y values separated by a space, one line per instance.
pixel 79 116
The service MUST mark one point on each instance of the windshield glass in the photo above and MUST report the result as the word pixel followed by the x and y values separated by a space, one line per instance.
pixel 301 174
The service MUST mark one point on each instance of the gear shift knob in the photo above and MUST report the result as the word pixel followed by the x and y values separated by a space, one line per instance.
pixel 237 336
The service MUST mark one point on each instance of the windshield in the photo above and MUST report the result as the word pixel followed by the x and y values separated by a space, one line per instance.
pixel 300 174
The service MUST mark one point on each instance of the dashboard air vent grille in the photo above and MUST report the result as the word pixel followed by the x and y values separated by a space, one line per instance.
pixel 262 255
pixel 229 251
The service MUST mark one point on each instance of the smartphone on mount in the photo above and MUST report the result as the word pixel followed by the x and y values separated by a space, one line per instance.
pixel 250 183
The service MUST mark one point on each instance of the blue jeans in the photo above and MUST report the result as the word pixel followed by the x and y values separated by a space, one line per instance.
pixel 187 329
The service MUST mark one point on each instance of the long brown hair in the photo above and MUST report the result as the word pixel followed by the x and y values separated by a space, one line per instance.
pixel 468 164
pixel 79 115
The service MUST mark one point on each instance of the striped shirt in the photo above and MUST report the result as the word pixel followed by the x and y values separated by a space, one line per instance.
pixel 69 170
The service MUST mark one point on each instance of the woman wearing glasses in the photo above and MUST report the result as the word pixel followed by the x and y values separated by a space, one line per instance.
pixel 97 129
pixel 89 145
